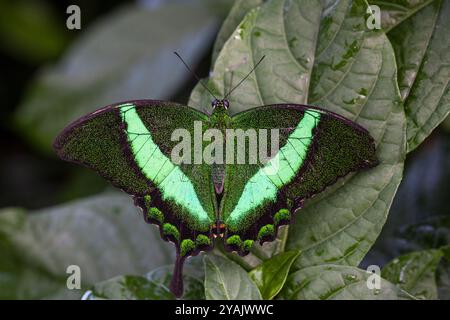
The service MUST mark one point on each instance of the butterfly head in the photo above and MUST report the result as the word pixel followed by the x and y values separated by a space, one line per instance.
pixel 220 104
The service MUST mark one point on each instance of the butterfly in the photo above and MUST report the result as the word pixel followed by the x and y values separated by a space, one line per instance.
pixel 156 151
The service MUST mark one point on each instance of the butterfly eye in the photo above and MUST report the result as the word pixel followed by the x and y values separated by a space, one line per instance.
pixel 214 103
pixel 226 104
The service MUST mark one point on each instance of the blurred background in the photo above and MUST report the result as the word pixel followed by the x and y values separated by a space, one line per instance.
pixel 51 75
pixel 120 40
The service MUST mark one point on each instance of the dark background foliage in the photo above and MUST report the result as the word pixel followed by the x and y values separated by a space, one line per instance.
pixel 31 178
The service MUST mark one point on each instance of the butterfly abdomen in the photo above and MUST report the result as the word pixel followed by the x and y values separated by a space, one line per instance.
pixel 218 177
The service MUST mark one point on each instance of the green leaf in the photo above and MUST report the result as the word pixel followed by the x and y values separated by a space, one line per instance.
pixel 415 273
pixel 394 12
pixel 225 280
pixel 125 56
pixel 323 55
pixel 129 288
pixel 335 282
pixel 271 274
pixel 103 235
pixel 237 13
pixel 421 48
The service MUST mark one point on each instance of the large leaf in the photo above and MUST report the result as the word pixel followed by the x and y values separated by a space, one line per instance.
pixel 421 39
pixel 323 55
pixel 225 280
pixel 415 273
pixel 337 282
pixel 271 274
pixel 126 55
pixel 104 235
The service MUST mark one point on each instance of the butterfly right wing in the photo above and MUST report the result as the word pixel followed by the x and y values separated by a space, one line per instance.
pixel 316 147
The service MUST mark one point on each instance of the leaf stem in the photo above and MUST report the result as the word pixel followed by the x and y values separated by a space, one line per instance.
pixel 234 257
pixel 239 260
pixel 259 252
pixel 283 236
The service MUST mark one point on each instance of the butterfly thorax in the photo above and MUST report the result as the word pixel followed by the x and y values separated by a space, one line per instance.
pixel 220 118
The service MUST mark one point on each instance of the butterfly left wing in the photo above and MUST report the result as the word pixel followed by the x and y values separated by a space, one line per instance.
pixel 131 145
pixel 316 147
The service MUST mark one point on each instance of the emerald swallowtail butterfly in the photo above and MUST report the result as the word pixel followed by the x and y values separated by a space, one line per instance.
pixel 194 204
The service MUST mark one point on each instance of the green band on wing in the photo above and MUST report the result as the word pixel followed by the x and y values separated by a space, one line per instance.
pixel 278 172
pixel 170 180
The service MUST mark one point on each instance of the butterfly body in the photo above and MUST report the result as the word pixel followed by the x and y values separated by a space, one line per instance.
pixel 156 152
pixel 221 120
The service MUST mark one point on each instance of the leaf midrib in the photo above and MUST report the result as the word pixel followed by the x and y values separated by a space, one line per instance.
pixel 221 279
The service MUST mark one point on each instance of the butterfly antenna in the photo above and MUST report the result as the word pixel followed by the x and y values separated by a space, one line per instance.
pixel 248 74
pixel 195 76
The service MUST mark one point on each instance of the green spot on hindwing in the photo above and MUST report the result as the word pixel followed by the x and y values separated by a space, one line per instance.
pixel 234 240
pixel 282 215
pixel 187 246
pixel 155 214
pixel 203 240
pixel 267 231
pixel 247 245
pixel 171 230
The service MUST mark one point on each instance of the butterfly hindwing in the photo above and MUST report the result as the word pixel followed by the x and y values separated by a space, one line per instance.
pixel 316 147
pixel 130 144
